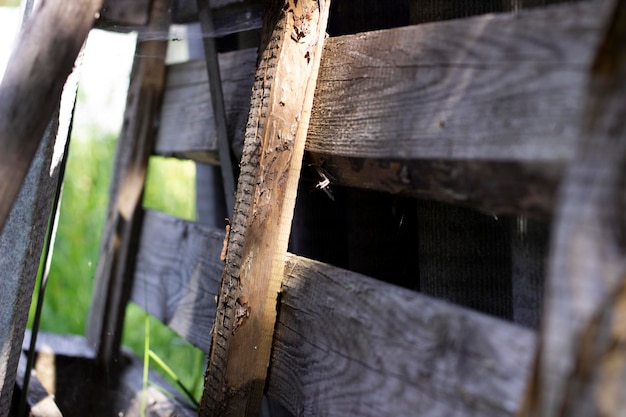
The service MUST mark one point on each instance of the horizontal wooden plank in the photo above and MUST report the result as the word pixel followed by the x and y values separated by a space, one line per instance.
pixel 397 110
pixel 178 274
pixel 494 87
pixel 187 123
pixel 345 344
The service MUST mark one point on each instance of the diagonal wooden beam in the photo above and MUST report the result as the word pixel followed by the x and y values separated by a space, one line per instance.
pixel 114 277
pixel 31 88
pixel 282 98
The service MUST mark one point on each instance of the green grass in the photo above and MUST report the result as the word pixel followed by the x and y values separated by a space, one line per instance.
pixel 169 188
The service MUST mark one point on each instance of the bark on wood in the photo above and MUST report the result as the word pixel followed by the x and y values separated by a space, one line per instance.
pixel 117 254
pixel 413 344
pixel 431 111
pixel 31 88
pixel 581 364
pixel 349 345
pixel 270 168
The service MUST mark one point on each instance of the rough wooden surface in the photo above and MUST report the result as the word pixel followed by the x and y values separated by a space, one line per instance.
pixel 381 351
pixel 21 242
pixel 186 102
pixel 270 169
pixel 31 87
pixel 581 364
pixel 349 345
pixel 23 237
pixel 439 109
pixel 117 254
pixel 177 275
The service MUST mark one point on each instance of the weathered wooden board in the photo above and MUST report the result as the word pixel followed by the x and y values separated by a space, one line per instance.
pixel 31 87
pixel 282 96
pixel 581 364
pixel 187 103
pixel 345 343
pixel 438 110
pixel 178 274
pixel 117 254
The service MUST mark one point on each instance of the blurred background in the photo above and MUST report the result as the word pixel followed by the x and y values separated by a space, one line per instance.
pixel 170 188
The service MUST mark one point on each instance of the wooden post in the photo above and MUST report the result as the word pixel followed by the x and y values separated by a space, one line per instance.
pixel 22 237
pixel 291 48
pixel 31 88
pixel 124 216
pixel 580 368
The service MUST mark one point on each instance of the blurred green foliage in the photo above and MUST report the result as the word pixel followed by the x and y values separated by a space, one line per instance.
pixel 170 188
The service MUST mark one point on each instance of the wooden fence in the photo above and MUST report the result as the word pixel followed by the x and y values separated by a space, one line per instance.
pixel 501 136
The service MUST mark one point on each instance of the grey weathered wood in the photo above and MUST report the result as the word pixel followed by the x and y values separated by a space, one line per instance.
pixel 346 344
pixel 21 242
pixel 178 274
pixel 437 110
pixel 581 363
pixel 23 237
pixel 117 254
pixel 187 125
pixel 31 87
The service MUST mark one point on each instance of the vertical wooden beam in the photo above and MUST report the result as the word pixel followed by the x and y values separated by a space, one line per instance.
pixel 282 98
pixel 580 368
pixel 31 88
pixel 117 254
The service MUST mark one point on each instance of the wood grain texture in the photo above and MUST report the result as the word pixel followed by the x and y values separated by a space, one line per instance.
pixel 388 351
pixel 119 243
pixel 437 110
pixel 281 102
pixel 187 103
pixel 494 87
pixel 177 275
pixel 580 369
pixel 346 344
pixel 31 87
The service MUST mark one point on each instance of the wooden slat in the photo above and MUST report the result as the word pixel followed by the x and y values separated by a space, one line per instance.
pixel 346 344
pixel 177 275
pixel 186 11
pixel 31 87
pixel 117 254
pixel 187 103
pixel 581 364
pixel 280 109
pixel 23 237
pixel 437 110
